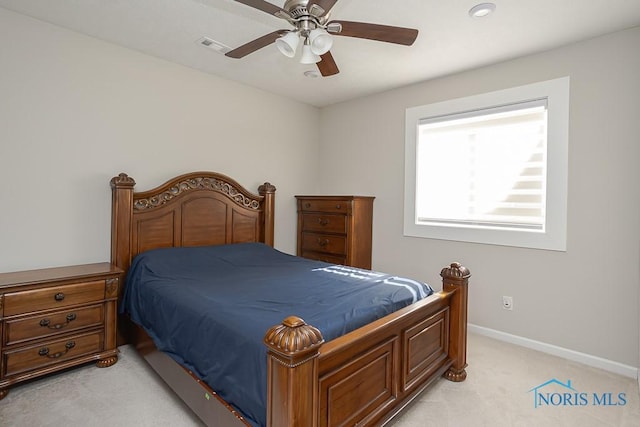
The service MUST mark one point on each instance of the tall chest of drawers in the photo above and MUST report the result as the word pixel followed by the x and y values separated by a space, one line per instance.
pixel 56 318
pixel 336 229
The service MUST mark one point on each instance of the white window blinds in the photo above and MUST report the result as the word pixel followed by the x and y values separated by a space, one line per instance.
pixel 484 168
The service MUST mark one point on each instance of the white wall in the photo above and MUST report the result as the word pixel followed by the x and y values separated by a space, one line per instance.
pixel 584 299
pixel 75 111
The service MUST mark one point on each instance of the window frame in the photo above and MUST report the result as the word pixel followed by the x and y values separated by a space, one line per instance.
pixel 553 237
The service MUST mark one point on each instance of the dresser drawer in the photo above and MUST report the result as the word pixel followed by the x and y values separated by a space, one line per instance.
pixel 324 223
pixel 332 206
pixel 324 243
pixel 335 229
pixel 53 297
pixel 52 352
pixel 36 327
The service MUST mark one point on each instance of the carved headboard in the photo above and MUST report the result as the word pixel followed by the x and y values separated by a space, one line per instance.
pixel 199 208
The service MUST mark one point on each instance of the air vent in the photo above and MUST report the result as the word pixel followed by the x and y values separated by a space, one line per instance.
pixel 213 45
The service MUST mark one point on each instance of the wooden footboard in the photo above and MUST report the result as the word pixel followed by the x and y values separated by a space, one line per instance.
pixel 369 375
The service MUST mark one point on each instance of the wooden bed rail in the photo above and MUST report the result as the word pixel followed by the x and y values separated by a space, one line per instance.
pixel 295 356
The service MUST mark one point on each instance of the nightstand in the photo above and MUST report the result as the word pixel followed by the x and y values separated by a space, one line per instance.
pixel 336 229
pixel 56 318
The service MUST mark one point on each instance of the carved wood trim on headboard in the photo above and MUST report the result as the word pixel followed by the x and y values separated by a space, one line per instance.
pixel 198 208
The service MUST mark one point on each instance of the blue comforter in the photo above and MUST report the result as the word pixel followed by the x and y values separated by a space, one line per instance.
pixel 209 308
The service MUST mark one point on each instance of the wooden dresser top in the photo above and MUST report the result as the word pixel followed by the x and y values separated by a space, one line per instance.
pixel 45 275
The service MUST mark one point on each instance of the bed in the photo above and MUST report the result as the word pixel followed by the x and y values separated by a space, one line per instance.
pixel 365 376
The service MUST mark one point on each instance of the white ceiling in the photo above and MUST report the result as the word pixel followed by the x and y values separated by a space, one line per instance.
pixel 449 40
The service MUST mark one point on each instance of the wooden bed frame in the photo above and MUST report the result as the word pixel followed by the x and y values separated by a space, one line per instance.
pixel 365 377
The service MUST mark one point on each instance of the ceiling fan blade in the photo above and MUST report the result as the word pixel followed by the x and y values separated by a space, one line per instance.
pixel 327 65
pixel 326 6
pixel 254 45
pixel 382 33
pixel 267 7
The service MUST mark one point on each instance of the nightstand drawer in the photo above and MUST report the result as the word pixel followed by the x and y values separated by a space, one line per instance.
pixel 329 206
pixel 36 327
pixel 52 352
pixel 324 223
pixel 53 297
pixel 324 243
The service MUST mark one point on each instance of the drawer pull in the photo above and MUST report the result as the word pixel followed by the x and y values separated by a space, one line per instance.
pixel 322 242
pixel 338 206
pixel 47 323
pixel 44 351
pixel 59 296
pixel 323 221
pixel 307 205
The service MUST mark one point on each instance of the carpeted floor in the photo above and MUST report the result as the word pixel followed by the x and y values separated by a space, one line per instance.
pixel 500 390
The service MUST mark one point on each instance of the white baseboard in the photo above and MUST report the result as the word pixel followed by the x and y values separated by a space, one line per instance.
pixel 576 356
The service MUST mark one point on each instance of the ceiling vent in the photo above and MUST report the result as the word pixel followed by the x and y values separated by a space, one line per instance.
pixel 213 45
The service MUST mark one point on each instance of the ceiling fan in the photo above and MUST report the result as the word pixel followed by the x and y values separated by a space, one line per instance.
pixel 312 25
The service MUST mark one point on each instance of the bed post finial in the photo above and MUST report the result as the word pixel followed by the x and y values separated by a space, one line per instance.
pixel 292 373
pixel 455 279
pixel 268 191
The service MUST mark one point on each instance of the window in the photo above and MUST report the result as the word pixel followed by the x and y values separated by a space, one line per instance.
pixel 490 168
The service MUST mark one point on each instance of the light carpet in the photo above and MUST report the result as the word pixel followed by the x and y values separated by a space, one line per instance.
pixel 500 390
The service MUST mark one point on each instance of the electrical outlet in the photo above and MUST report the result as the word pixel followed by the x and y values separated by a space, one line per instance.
pixel 507 303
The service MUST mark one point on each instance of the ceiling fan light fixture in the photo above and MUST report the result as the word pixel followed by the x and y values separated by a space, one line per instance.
pixel 308 57
pixel 309 15
pixel 320 40
pixel 481 10
pixel 288 44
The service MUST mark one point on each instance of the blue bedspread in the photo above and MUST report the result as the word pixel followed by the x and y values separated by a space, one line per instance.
pixel 209 308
